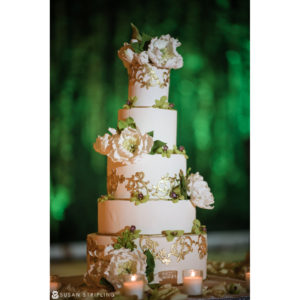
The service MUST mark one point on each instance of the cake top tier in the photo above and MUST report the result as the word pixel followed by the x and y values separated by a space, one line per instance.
pixel 148 61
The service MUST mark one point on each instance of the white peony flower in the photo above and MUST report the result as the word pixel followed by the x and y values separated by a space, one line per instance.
pixel 199 191
pixel 123 261
pixel 163 54
pixel 129 145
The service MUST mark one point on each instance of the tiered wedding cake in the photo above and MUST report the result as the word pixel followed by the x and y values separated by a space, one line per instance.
pixel 147 222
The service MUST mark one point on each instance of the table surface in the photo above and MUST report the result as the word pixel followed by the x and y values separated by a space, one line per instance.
pixel 74 284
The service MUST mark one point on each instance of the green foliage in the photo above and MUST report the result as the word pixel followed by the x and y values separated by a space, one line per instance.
pixel 135 198
pixel 151 133
pixel 198 228
pixel 107 284
pixel 143 40
pixel 130 102
pixel 157 146
pixel 122 124
pixel 150 265
pixel 171 234
pixel 126 240
pixel 104 198
pixel 163 103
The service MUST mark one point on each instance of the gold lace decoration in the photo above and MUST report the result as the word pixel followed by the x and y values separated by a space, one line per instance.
pixel 202 246
pixel 179 249
pixel 147 77
pixel 113 181
pixel 138 183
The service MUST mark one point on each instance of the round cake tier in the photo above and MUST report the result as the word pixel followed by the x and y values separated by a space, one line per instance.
pixel 151 175
pixel 151 217
pixel 171 258
pixel 162 122
pixel 148 84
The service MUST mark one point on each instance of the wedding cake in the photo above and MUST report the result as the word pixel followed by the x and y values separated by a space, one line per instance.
pixel 147 221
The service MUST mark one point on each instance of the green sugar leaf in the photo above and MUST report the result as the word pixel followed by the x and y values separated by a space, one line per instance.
pixel 150 133
pixel 135 33
pixel 150 265
pixel 156 145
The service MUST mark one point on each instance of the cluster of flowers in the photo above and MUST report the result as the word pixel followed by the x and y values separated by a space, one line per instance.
pixel 161 53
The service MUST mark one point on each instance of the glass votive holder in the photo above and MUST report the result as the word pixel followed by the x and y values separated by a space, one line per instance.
pixel 133 284
pixel 192 282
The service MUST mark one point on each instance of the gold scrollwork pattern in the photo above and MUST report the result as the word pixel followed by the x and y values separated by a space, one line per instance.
pixel 113 181
pixel 147 77
pixel 179 249
pixel 138 183
pixel 202 246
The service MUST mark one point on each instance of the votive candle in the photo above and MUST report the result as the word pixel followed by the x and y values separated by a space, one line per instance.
pixel 192 282
pixel 133 285
pixel 247 277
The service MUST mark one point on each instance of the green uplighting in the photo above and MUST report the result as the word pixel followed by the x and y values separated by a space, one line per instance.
pixel 89 84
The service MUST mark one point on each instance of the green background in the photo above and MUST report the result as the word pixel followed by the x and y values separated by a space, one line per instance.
pixel 89 85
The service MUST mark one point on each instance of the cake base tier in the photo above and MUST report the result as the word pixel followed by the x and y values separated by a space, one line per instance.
pixel 171 258
pixel 151 217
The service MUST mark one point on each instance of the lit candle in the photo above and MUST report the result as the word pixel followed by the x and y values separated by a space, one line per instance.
pixel 134 285
pixel 192 282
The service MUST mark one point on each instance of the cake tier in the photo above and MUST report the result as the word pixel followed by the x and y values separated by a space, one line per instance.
pixel 171 258
pixel 150 217
pixel 148 83
pixel 162 122
pixel 151 174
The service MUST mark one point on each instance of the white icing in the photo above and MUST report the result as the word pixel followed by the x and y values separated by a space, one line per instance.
pixel 151 217
pixel 162 122
pixel 191 260
pixel 146 95
pixel 154 167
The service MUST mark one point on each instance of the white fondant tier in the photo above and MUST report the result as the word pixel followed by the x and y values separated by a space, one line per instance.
pixel 151 217
pixel 171 258
pixel 151 174
pixel 148 84
pixel 162 122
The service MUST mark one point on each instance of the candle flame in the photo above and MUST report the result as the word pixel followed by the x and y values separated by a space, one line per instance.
pixel 193 274
pixel 133 278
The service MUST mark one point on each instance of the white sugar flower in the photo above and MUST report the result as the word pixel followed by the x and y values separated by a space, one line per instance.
pixel 141 58
pixel 126 54
pixel 129 145
pixel 199 191
pixel 123 261
pixel 103 144
pixel 163 54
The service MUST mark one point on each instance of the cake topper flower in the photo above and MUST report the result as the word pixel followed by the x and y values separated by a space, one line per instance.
pixel 163 54
pixel 152 51
pixel 125 144
pixel 199 191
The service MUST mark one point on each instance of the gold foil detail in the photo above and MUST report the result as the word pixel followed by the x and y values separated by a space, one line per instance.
pixel 202 246
pixel 147 77
pixel 137 183
pixel 179 249
pixel 113 181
